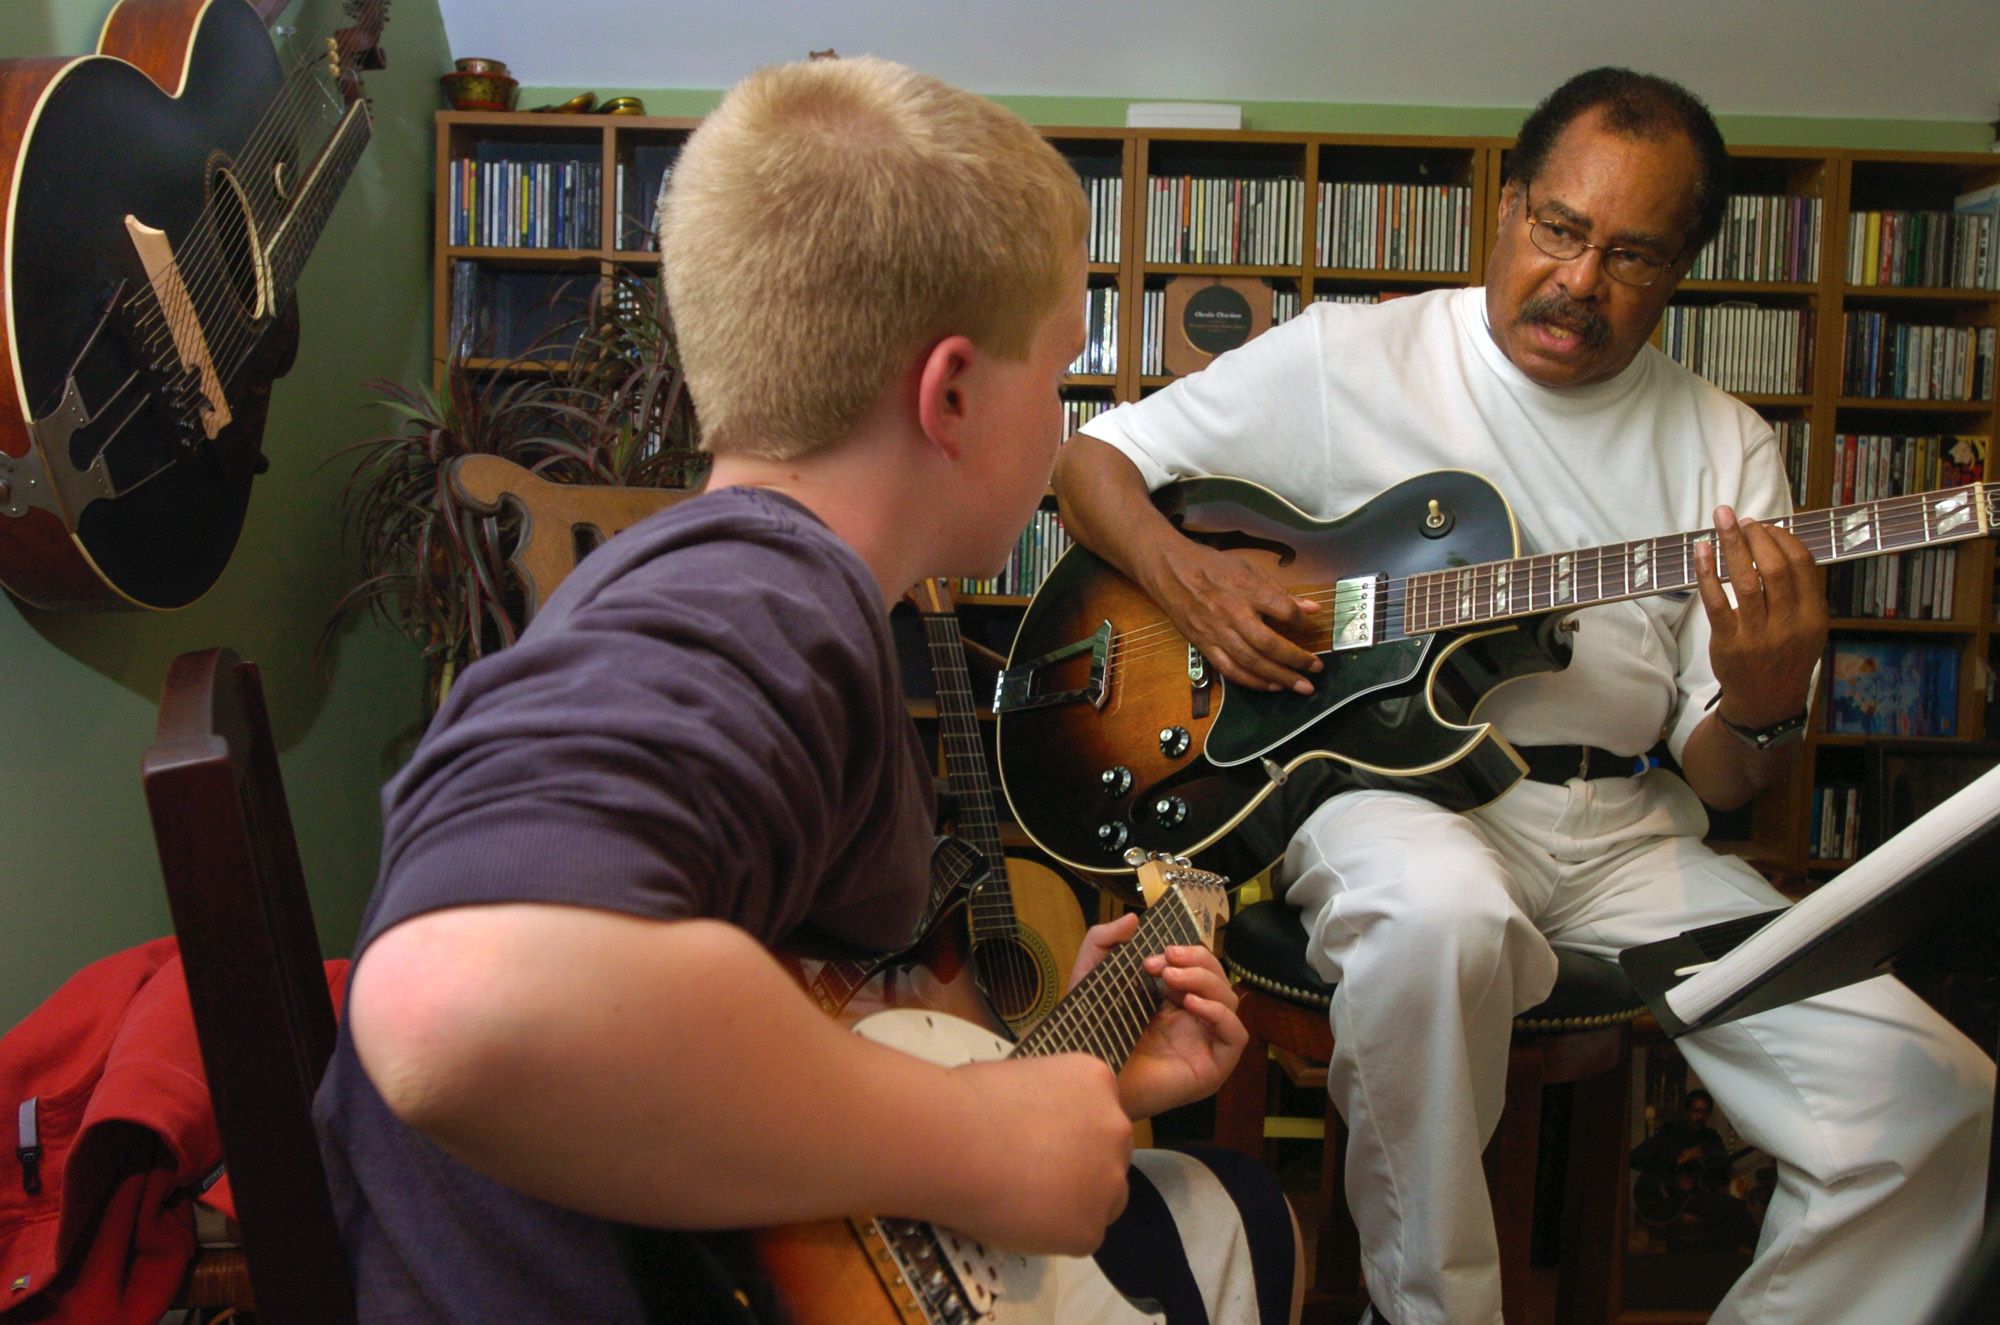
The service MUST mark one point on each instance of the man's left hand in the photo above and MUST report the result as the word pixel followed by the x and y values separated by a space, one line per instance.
pixel 1763 649
pixel 1192 1044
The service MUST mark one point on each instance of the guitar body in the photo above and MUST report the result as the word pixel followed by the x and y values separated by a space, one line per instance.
pixel 1025 972
pixel 138 370
pixel 1398 715
pixel 840 1271
pixel 887 1271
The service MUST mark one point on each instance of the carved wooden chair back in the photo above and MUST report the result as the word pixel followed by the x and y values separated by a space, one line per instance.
pixel 559 521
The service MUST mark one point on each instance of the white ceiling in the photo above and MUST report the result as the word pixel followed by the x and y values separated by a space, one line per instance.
pixel 1918 59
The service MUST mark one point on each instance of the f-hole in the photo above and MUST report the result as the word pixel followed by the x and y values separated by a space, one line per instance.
pixel 238 247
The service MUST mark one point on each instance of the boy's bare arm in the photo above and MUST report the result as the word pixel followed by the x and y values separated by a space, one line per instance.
pixel 1238 616
pixel 670 1073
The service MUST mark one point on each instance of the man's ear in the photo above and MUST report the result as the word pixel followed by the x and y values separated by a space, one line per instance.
pixel 943 384
pixel 1510 198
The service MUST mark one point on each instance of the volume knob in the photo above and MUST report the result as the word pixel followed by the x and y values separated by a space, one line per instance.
pixel 1170 811
pixel 1117 780
pixel 1174 741
pixel 1111 836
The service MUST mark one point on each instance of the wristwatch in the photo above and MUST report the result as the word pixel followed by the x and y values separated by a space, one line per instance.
pixel 1765 738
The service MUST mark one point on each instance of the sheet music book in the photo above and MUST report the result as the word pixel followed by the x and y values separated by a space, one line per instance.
pixel 1943 865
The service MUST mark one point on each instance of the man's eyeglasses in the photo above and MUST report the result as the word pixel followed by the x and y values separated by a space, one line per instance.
pixel 1558 239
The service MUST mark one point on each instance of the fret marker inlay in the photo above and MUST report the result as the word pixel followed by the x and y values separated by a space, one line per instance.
pixel 1855 528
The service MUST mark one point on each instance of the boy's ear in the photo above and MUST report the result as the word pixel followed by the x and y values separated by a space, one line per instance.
pixel 943 382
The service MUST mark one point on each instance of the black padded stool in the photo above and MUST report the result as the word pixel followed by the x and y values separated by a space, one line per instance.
pixel 1579 1034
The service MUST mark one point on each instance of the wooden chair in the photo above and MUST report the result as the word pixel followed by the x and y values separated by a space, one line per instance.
pixel 256 982
pixel 560 522
pixel 1579 1035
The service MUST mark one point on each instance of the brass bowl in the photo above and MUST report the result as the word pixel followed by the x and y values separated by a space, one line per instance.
pixel 576 105
pixel 479 91
pixel 622 106
pixel 476 64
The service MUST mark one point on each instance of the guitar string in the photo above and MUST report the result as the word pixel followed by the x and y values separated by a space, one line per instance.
pixel 1117 1004
pixel 227 335
pixel 275 127
pixel 281 123
pixel 256 161
pixel 1013 974
pixel 1893 520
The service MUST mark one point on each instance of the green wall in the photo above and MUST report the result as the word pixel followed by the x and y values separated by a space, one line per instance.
pixel 78 876
pixel 1328 117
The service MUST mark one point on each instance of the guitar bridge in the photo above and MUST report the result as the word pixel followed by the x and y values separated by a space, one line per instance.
pixel 1016 687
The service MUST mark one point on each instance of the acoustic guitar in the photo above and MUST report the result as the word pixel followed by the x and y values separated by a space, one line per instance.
pixel 1117 739
pixel 1026 925
pixel 163 196
pixel 882 1271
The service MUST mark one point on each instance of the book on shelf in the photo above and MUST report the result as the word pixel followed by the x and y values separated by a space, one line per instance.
pixel 502 314
pixel 1909 586
pixel 1105 195
pixel 1763 238
pixel 1871 466
pixel 1887 358
pixel 641 188
pixel 1741 347
pixel 1035 554
pixel 1893 688
pixel 1932 874
pixel 1394 227
pixel 1100 348
pixel 1246 222
pixel 1076 413
pixel 514 195
pixel 1955 250
pixel 1795 448
pixel 1836 822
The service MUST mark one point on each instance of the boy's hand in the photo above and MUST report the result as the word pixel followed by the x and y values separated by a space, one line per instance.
pixel 1050 1174
pixel 1193 1041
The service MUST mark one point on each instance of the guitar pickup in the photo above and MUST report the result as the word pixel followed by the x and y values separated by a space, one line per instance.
pixel 1016 687
pixel 1354 613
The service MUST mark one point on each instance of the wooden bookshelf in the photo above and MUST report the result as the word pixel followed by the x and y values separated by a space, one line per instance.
pixel 1843 180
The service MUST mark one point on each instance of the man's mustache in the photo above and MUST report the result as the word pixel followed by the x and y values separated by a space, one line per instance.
pixel 1561 311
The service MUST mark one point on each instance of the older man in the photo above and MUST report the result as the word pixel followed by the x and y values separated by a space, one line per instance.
pixel 1439 926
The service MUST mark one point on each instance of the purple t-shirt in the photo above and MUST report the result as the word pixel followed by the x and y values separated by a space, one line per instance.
pixel 706 720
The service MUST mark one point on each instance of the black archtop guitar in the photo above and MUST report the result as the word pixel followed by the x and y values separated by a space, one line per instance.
pixel 1117 739
pixel 162 198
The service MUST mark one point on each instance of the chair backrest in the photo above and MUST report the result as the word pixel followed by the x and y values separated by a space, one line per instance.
pixel 254 974
pixel 555 517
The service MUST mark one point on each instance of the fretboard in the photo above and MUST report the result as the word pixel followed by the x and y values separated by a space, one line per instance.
pixel 965 772
pixel 1526 586
pixel 1107 1011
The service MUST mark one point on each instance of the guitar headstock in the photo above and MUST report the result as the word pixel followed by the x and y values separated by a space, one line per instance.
pixel 1205 895
pixel 933 597
pixel 351 50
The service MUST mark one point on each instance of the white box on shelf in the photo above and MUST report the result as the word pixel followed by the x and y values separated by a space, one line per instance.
pixel 1182 115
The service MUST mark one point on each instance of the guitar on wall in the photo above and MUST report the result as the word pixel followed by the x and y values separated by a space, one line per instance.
pixel 881 1271
pixel 1026 925
pixel 163 196
pixel 1116 737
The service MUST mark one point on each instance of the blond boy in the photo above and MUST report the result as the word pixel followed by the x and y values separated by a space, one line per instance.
pixel 567 1052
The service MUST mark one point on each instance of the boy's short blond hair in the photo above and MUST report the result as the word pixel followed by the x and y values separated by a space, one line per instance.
pixel 832 218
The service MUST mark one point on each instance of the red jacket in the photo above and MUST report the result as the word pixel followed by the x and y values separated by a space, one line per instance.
pixel 122 1115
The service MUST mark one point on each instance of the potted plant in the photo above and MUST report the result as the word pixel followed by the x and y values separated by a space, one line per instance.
pixel 600 399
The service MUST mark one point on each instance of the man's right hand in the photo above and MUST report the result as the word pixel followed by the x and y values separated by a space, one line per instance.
pixel 1243 621
pixel 1049 1174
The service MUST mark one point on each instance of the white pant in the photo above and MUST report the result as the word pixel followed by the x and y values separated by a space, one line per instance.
pixel 1438 928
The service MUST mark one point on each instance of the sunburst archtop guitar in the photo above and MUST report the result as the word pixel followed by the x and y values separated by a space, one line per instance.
pixel 1116 738
pixel 162 198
